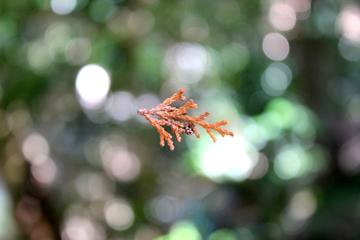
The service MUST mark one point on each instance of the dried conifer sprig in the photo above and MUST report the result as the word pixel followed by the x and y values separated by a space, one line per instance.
pixel 178 121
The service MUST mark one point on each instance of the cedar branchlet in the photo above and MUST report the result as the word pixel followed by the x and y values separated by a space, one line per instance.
pixel 178 120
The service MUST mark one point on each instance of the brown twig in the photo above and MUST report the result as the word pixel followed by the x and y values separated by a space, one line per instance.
pixel 178 121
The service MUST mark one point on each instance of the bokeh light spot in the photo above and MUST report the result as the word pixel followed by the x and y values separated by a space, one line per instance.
pixel 276 79
pixel 182 230
pixel 163 209
pixel 93 187
pixel 302 205
pixel 121 106
pixel 102 10
pixel 118 214
pixel 78 51
pixel 223 234
pixel 120 163
pixel 92 85
pixel 275 46
pixel 45 172
pixel 186 62
pixel 7 210
pixel 261 167
pixel 228 159
pixel 63 7
pixel 194 28
pixel 35 148
pixel 300 6
pixel 282 16
pixel 349 50
pixel 146 232
pixel 235 57
pixel 82 228
pixel 291 162
pixel 38 56
pixel 349 22
pixel 349 160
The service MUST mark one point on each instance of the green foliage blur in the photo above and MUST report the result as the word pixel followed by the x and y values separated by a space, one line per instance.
pixel 78 163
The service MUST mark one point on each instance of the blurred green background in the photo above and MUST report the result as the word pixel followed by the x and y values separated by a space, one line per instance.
pixel 77 163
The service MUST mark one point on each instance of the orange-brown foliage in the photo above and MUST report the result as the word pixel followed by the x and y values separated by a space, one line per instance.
pixel 177 119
